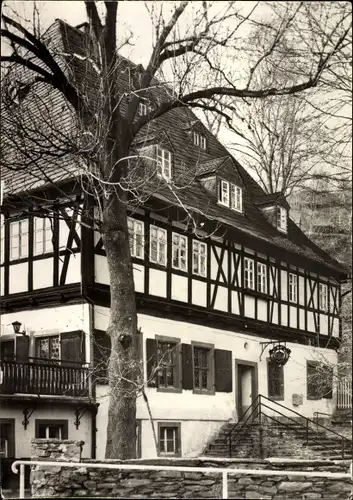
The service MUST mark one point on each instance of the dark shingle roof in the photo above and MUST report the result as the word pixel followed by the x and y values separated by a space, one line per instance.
pixel 190 160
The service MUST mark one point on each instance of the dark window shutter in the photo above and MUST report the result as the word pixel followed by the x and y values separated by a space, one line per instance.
pixel 188 375
pixel 101 354
pixel 223 370
pixel 73 347
pixel 22 348
pixel 327 383
pixel 151 356
pixel 7 350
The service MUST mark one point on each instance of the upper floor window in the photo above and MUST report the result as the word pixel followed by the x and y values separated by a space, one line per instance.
pixel 249 273
pixel 48 347
pixel 164 163
pixel 168 364
pixel 136 231
pixel 203 367
pixel 200 140
pixel 19 239
pixel 261 277
pixel 322 297
pixel 199 258
pixel 231 195
pixel 282 219
pixel 158 245
pixel 43 235
pixel 293 287
pixel 179 252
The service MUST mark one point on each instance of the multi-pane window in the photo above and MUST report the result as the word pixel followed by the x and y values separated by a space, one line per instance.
pixel 203 368
pixel 164 163
pixel 144 108
pixel 19 239
pixel 275 380
pixel 179 252
pixel 200 140
pixel 319 380
pixel 236 198
pixel 261 277
pixel 169 439
pixel 43 235
pixel 230 195
pixel 199 258
pixel 158 245
pixel 51 430
pixel 136 231
pixel 282 219
pixel 224 193
pixel 48 347
pixel 168 364
pixel 323 297
pixel 293 287
pixel 249 273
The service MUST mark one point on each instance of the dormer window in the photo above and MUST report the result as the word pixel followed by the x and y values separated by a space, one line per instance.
pixel 164 163
pixel 230 195
pixel 200 140
pixel 282 219
pixel 144 108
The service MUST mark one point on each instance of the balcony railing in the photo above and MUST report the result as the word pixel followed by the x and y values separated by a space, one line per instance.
pixel 44 377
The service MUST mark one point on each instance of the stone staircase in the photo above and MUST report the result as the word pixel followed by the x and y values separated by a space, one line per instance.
pixel 277 439
pixel 283 434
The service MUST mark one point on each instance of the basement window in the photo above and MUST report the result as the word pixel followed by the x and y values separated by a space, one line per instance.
pixel 169 439
pixel 51 429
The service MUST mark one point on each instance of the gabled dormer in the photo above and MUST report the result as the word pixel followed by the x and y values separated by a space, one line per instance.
pixel 196 133
pixel 221 180
pixel 156 151
pixel 275 208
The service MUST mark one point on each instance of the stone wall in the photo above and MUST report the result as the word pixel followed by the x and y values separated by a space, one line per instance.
pixel 82 481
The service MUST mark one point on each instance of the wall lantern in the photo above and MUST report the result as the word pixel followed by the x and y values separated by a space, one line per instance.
pixel 16 328
pixel 279 354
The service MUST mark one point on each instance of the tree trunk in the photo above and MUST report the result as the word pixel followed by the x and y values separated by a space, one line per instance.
pixel 123 362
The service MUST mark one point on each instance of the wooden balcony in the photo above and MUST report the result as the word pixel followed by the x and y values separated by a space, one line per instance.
pixel 44 377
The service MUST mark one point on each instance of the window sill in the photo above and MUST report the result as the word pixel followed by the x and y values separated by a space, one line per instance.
pixel 169 455
pixel 204 392
pixel 176 390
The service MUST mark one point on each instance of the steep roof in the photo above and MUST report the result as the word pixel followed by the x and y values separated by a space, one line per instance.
pixel 190 160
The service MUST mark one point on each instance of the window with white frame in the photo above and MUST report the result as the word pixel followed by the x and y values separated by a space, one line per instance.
pixel 293 287
pixel 323 296
pixel 169 439
pixel 236 198
pixel 249 273
pixel 19 239
pixel 282 219
pixel 179 252
pixel 199 258
pixel 51 429
pixel 144 108
pixel 136 231
pixel 158 245
pixel 43 235
pixel 164 163
pixel 224 193
pixel 261 277
pixel 230 195
pixel 200 140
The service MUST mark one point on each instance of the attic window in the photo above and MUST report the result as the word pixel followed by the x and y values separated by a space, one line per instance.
pixel 164 163
pixel 144 108
pixel 200 140
pixel 230 195
pixel 282 219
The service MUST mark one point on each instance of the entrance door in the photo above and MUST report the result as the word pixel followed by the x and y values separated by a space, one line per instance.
pixel 246 377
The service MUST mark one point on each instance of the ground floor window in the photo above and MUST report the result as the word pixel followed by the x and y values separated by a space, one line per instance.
pixel 51 429
pixel 138 438
pixel 169 439
pixel 275 380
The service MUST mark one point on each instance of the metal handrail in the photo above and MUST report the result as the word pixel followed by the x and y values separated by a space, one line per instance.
pixel 257 405
pixel 302 416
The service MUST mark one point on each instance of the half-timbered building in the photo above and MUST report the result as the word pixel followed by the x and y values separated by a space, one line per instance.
pixel 222 274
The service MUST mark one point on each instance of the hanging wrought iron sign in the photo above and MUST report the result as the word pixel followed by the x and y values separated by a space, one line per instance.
pixel 279 354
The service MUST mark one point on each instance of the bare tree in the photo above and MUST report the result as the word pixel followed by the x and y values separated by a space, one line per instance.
pixel 105 132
